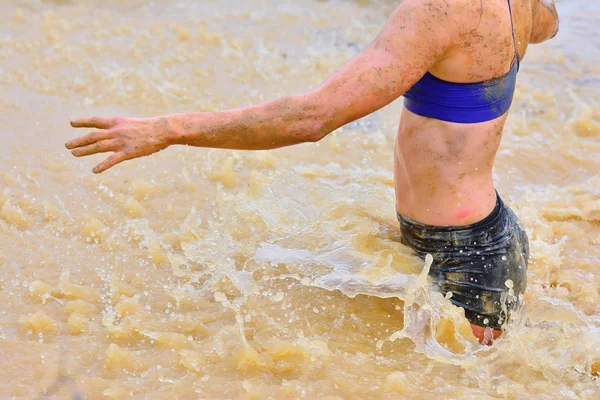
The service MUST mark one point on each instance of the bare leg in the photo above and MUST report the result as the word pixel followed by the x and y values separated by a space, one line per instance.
pixel 483 336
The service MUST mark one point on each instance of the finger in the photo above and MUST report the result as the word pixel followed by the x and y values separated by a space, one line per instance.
pixel 88 139
pixel 94 122
pixel 110 162
pixel 98 147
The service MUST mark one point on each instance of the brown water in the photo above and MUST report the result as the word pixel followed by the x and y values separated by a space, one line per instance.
pixel 208 274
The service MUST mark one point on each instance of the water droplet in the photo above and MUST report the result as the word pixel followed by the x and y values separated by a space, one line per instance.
pixel 278 297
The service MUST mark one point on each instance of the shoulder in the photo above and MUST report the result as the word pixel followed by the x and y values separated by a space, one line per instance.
pixel 428 29
pixel 449 16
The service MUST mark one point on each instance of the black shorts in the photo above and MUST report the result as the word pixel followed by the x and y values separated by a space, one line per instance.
pixel 484 264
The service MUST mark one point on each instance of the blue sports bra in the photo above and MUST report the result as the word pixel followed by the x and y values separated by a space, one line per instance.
pixel 465 103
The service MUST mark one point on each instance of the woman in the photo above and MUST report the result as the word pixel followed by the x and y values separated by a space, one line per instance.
pixel 455 62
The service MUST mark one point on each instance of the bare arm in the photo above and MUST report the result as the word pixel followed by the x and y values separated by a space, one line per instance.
pixel 545 21
pixel 416 36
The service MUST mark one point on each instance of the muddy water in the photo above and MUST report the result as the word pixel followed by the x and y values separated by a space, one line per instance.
pixel 204 274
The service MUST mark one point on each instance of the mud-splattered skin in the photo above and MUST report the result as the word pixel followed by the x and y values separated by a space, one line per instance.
pixel 443 171
pixel 436 163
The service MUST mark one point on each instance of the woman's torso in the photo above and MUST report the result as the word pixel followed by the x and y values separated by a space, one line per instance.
pixel 443 170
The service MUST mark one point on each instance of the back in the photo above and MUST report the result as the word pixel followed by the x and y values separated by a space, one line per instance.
pixel 443 169
pixel 486 49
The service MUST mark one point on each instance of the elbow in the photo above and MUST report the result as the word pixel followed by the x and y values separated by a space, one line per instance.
pixel 537 38
pixel 321 128
pixel 315 122
pixel 313 138
pixel 552 30
pixel 556 27
pixel 545 28
pixel 313 130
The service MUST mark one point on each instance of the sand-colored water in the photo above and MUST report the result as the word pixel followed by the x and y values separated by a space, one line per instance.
pixel 208 274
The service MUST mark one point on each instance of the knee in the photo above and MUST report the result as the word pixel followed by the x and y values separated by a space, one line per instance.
pixel 485 335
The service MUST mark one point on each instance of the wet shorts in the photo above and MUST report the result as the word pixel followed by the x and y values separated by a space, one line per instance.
pixel 483 265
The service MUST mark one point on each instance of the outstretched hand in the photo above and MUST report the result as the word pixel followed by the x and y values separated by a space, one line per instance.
pixel 128 138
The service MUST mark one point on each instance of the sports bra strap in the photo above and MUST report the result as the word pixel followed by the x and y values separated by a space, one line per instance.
pixel 512 25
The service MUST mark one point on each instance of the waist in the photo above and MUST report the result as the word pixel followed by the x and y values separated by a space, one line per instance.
pixel 440 202
pixel 491 230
